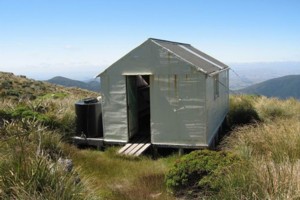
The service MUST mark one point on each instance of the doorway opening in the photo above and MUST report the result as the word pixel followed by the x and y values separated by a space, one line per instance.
pixel 138 106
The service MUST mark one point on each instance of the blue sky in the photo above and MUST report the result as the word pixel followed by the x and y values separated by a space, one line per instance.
pixel 79 38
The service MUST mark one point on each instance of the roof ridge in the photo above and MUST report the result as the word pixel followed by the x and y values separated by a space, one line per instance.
pixel 169 41
pixel 197 67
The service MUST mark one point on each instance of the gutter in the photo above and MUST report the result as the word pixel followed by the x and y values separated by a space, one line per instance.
pixel 217 72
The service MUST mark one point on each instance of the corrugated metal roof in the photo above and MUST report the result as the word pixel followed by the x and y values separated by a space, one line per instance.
pixel 187 52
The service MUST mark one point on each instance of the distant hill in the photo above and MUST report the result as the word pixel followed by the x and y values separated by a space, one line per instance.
pixel 91 85
pixel 246 74
pixel 17 88
pixel 283 87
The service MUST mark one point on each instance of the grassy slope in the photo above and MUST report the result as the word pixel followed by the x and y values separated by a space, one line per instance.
pixel 270 147
pixel 102 174
pixel 18 87
pixel 34 118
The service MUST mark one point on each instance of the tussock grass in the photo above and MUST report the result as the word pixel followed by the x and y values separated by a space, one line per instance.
pixel 36 118
pixel 277 140
pixel 273 108
pixel 271 149
pixel 265 136
pixel 279 180
pixel 242 111
pixel 28 165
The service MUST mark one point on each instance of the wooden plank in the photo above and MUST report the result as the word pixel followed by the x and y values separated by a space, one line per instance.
pixel 138 147
pixel 133 146
pixel 124 148
pixel 144 148
pixel 128 145
pixel 135 149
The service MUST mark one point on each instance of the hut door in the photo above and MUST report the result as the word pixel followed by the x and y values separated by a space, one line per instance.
pixel 132 105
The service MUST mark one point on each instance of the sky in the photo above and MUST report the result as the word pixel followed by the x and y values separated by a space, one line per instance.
pixel 80 38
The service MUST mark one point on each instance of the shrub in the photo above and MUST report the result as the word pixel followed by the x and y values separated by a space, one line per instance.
pixel 12 92
pixel 27 113
pixel 64 123
pixel 200 170
pixel 4 115
pixel 7 84
pixel 241 111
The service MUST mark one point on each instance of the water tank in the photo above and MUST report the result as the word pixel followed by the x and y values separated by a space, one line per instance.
pixel 89 118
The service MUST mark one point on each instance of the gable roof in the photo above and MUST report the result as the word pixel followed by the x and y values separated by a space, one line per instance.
pixel 188 53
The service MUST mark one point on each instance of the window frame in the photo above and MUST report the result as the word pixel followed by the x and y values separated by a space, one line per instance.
pixel 216 86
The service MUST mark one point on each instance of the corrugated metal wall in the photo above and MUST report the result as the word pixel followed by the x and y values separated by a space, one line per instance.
pixel 178 114
pixel 114 108
pixel 217 108
pixel 145 59
pixel 183 109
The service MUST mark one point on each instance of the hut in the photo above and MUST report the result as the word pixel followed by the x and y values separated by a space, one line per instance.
pixel 169 92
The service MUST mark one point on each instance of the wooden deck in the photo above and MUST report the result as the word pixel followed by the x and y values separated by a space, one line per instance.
pixel 97 142
pixel 136 147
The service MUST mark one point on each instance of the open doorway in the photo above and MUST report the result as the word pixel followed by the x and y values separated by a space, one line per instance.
pixel 138 105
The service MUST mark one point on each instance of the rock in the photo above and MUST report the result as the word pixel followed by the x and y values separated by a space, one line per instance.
pixel 154 196
pixel 66 164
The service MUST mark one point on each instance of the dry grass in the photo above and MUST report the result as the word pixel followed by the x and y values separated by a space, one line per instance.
pixel 104 175
pixel 272 151
pixel 277 140
pixel 34 116
pixel 28 164
pixel 273 108
pixel 279 180
pixel 269 147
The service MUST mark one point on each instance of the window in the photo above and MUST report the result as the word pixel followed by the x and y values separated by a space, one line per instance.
pixel 216 86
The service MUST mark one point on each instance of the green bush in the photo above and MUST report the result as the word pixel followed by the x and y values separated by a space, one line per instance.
pixel 200 170
pixel 12 92
pixel 65 124
pixel 241 111
pixel 27 113
pixel 7 84
pixel 4 115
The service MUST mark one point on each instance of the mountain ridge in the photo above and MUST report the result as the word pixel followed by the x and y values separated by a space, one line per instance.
pixel 283 87
pixel 67 82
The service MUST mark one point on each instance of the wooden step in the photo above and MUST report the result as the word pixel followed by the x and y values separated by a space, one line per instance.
pixel 124 148
pixel 144 148
pixel 128 145
pixel 136 147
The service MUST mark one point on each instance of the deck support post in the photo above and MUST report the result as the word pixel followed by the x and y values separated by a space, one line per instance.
pixel 180 151
pixel 155 152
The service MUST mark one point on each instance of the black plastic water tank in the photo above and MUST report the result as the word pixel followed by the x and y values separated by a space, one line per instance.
pixel 89 118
